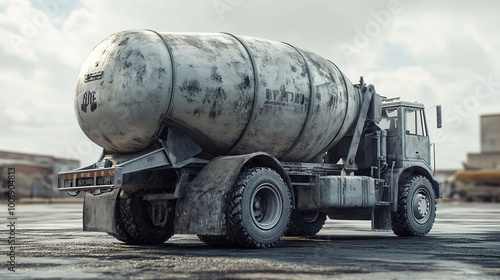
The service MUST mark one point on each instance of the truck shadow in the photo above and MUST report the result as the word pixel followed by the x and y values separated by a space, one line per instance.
pixel 332 254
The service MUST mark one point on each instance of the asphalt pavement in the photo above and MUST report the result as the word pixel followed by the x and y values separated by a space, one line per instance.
pixel 50 244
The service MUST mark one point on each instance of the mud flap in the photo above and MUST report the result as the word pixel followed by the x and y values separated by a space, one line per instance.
pixel 202 209
pixel 381 217
pixel 99 212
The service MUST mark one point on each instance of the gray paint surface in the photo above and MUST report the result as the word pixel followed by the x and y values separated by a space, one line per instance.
pixel 242 94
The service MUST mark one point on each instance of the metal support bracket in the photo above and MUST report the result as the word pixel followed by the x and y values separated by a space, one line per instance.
pixel 182 182
pixel 350 165
pixel 158 211
pixel 180 148
pixel 154 159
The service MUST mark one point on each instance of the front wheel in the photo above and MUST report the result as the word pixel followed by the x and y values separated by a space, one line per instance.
pixel 258 209
pixel 416 209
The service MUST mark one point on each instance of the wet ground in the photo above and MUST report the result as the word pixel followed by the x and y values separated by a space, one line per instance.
pixel 464 244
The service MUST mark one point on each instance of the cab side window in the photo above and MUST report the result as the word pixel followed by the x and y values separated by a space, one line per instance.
pixel 415 122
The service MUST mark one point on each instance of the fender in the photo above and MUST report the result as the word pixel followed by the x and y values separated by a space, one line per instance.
pixel 414 169
pixel 202 209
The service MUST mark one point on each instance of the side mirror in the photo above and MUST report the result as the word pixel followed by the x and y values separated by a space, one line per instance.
pixel 438 117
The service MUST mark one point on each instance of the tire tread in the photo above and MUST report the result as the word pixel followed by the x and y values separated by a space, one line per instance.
pixel 214 240
pixel 131 230
pixel 400 220
pixel 236 231
pixel 296 227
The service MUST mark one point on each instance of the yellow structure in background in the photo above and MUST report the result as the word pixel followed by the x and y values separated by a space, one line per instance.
pixel 491 176
pixel 480 179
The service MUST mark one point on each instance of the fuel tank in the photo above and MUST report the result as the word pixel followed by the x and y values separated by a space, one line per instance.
pixel 231 94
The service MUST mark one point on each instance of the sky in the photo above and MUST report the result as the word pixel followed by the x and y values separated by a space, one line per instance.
pixel 436 53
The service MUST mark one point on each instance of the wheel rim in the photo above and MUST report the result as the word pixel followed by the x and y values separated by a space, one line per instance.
pixel 308 217
pixel 421 206
pixel 266 206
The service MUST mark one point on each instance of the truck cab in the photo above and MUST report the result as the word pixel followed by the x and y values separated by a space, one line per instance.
pixel 408 139
pixel 409 166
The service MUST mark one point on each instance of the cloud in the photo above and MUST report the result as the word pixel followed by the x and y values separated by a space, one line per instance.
pixel 433 52
pixel 37 74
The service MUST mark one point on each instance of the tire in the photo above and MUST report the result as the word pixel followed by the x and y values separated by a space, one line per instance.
pixel 416 209
pixel 134 225
pixel 214 240
pixel 258 209
pixel 305 223
pixel 120 234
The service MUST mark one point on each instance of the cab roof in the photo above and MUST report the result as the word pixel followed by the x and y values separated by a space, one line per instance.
pixel 398 103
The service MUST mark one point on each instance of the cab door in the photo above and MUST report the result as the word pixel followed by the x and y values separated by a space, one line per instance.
pixel 416 139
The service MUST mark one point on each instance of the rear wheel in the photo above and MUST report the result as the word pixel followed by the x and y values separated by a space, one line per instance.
pixel 305 223
pixel 416 210
pixel 258 209
pixel 120 234
pixel 134 222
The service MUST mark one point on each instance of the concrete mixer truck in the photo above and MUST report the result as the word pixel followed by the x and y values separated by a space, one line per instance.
pixel 242 141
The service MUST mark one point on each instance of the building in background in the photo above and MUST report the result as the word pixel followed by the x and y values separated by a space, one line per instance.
pixel 480 179
pixel 489 157
pixel 36 175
